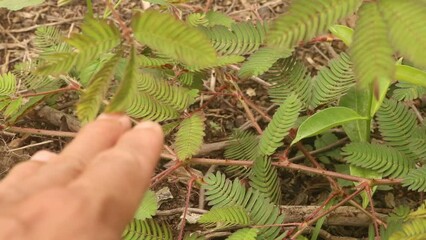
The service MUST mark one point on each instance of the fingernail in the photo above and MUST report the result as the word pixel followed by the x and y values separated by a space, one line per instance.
pixel 123 119
pixel 150 125
pixel 43 156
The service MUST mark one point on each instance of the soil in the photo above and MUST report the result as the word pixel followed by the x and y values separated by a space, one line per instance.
pixel 223 115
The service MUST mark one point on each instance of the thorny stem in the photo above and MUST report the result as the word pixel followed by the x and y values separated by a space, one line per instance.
pixel 165 173
pixel 373 211
pixel 188 197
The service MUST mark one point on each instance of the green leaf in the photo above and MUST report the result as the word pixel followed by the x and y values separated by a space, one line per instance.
pixel 162 32
pixel 411 75
pixel 406 29
pixel 260 61
pixel 91 100
pixel 306 19
pixel 324 120
pixel 97 37
pixel 57 63
pixel 148 206
pixel 127 89
pixel 342 32
pixel 189 137
pixel 218 18
pixel 226 216
pixel 18 4
pixel 244 233
pixel 147 229
pixel 371 51
pixel 7 84
pixel 13 107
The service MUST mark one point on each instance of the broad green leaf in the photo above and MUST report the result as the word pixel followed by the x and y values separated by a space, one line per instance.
pixel 324 120
pixel 18 4
pixel 410 74
pixel 163 33
pixel 148 206
pixel 359 101
pixel 342 32
pixel 127 89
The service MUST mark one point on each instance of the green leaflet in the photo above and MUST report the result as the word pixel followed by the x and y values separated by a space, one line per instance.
pixel 343 32
pixel 264 178
pixel 173 38
pixel 91 100
pixel 244 233
pixel 7 84
pixel 406 29
pixel 18 4
pixel 324 120
pixel 282 121
pixel 189 137
pixel 416 180
pixel 197 19
pixel 218 18
pixel 127 89
pixel 148 206
pixel 372 56
pixel 97 37
pixel 411 75
pixel 13 107
pixel 305 20
pixel 57 63
pixel 223 217
pixel 260 61
pixel 222 192
pixel 332 81
pixel 147 229
pixel 241 39
pixel 377 157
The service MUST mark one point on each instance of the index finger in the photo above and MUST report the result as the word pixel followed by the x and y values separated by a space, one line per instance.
pixel 117 178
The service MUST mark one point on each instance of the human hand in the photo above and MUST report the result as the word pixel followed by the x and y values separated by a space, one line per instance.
pixel 88 191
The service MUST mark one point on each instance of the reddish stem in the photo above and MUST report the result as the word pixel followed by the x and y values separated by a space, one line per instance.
pixel 185 211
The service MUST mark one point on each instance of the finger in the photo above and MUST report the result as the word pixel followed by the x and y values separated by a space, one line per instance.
pixel 117 178
pixel 95 137
pixel 26 169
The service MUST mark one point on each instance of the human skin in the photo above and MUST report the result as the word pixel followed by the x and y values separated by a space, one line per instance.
pixel 88 191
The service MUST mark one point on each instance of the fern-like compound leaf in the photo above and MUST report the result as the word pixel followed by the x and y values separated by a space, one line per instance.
pixel 264 178
pixel 289 76
pixel 189 137
pixel 148 206
pixel 371 51
pixel 416 180
pixel 397 125
pixel 145 61
pixel 243 146
pixel 377 157
pixel 243 38
pixel 165 34
pixel 332 81
pixel 306 19
pixel 13 107
pixel 282 121
pixel 260 61
pixel 49 40
pixel 412 230
pixel 97 37
pixel 405 23
pixel 408 91
pixel 197 19
pixel 145 106
pixel 147 229
pixel 218 18
pixel 7 84
pixel 127 89
pixel 57 63
pixel 223 217
pixel 244 233
pixel 222 192
pixel 90 102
